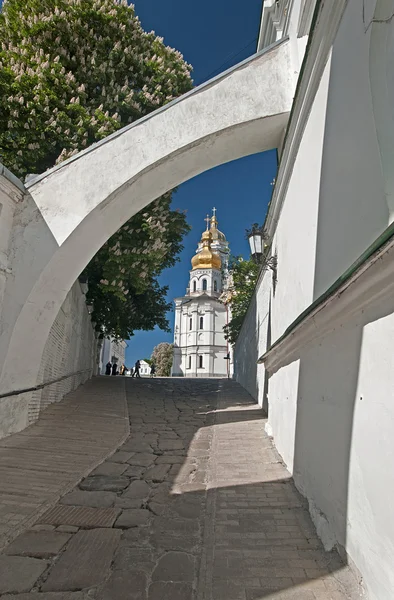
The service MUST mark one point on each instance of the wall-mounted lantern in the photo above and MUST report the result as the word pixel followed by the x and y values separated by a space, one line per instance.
pixel 256 235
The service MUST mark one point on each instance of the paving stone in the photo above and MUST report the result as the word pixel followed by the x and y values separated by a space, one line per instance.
pixel 104 483
pixel 38 544
pixel 137 489
pixel 170 591
pixel 49 596
pixel 19 574
pixel 174 566
pixel 168 444
pixel 124 585
pixel 157 473
pixel 162 494
pixel 139 558
pixel 110 468
pixel 129 502
pixel 67 529
pixel 136 537
pixel 86 561
pixel 142 459
pixel 43 527
pixel 187 508
pixel 158 509
pixel 133 517
pixel 138 446
pixel 134 472
pixel 120 457
pixel 93 499
pixel 81 516
pixel 169 459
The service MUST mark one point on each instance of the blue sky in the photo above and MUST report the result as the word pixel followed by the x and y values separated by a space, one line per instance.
pixel 212 35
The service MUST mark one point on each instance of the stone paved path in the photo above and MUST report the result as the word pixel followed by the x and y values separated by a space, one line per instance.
pixel 195 505
pixel 45 460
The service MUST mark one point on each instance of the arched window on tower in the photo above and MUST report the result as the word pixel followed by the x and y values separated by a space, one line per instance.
pixel 190 323
pixel 190 362
pixel 194 285
pixel 201 322
pixel 200 362
pixel 215 286
pixel 204 284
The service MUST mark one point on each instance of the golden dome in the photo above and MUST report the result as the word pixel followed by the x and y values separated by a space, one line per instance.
pixel 216 234
pixel 206 259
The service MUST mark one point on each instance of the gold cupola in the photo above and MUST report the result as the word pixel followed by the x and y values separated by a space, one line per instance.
pixel 206 259
pixel 215 233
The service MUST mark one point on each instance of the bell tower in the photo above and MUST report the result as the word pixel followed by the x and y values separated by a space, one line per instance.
pixel 200 348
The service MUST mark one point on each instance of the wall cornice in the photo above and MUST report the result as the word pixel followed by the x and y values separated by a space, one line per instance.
pixel 371 282
pixel 306 16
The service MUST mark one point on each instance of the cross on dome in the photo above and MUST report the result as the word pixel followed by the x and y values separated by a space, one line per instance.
pixel 214 211
pixel 207 219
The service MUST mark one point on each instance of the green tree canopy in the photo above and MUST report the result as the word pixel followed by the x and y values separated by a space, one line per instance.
pixel 162 356
pixel 71 73
pixel 243 278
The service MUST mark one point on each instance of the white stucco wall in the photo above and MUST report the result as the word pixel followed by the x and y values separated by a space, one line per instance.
pixel 252 342
pixel 294 243
pixel 353 209
pixel 344 450
pixel 330 401
pixel 71 350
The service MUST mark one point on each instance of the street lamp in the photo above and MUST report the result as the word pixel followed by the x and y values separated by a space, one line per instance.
pixel 256 236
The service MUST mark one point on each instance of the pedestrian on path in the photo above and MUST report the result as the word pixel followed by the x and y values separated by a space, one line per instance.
pixel 152 370
pixel 108 368
pixel 137 369
pixel 131 372
pixel 114 369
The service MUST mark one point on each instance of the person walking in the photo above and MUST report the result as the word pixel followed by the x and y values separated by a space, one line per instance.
pixel 108 368
pixel 114 369
pixel 137 369
pixel 131 372
pixel 153 370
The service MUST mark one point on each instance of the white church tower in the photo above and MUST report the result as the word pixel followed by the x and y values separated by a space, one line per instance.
pixel 200 348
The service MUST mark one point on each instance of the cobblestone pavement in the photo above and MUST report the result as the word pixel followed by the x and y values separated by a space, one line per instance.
pixel 195 505
pixel 48 458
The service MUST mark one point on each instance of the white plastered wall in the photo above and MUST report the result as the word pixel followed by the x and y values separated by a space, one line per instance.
pixel 252 342
pixel 331 406
pixel 295 245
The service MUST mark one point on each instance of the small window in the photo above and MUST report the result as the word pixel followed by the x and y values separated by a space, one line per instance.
pixel 190 323
pixel 200 362
pixel 215 286
pixel 204 284
pixel 201 322
pixel 194 285
pixel 190 362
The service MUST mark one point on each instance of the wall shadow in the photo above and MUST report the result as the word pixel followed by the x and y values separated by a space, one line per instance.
pixel 335 461
pixel 223 501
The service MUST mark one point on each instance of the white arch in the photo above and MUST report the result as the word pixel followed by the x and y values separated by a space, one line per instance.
pixel 86 199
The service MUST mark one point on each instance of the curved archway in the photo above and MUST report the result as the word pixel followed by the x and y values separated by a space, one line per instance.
pixel 86 199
